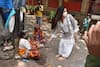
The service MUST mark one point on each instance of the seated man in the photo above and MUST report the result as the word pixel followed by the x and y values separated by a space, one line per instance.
pixel 25 48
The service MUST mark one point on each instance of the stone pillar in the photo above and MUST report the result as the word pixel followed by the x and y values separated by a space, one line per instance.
pixel 85 6
pixel 60 2
pixel 45 2
pixel 32 2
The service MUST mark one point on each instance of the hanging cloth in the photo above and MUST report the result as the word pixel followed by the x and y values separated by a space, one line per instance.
pixel 6 4
pixel 10 21
pixel 19 3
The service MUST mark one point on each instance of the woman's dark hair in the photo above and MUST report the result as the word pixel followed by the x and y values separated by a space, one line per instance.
pixel 57 17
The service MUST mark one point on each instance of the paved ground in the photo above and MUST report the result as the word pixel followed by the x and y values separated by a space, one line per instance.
pixel 77 58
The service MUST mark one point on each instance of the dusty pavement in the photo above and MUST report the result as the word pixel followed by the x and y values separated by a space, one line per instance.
pixel 77 58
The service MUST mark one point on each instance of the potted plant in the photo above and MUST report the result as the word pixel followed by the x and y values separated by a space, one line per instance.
pixel 30 9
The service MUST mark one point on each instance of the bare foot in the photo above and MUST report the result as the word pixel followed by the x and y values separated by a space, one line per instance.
pixel 61 58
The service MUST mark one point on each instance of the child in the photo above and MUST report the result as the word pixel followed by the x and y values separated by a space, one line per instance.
pixel 39 34
pixel 38 13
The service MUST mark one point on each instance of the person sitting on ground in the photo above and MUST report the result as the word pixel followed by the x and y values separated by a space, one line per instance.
pixel 39 34
pixel 35 49
pixel 25 47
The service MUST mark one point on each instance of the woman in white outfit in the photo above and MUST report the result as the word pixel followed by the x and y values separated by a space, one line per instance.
pixel 68 24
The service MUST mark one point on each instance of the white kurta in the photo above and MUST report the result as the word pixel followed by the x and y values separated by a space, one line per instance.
pixel 23 43
pixel 69 26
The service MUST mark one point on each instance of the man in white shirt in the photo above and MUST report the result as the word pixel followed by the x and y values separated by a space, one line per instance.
pixel 24 46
